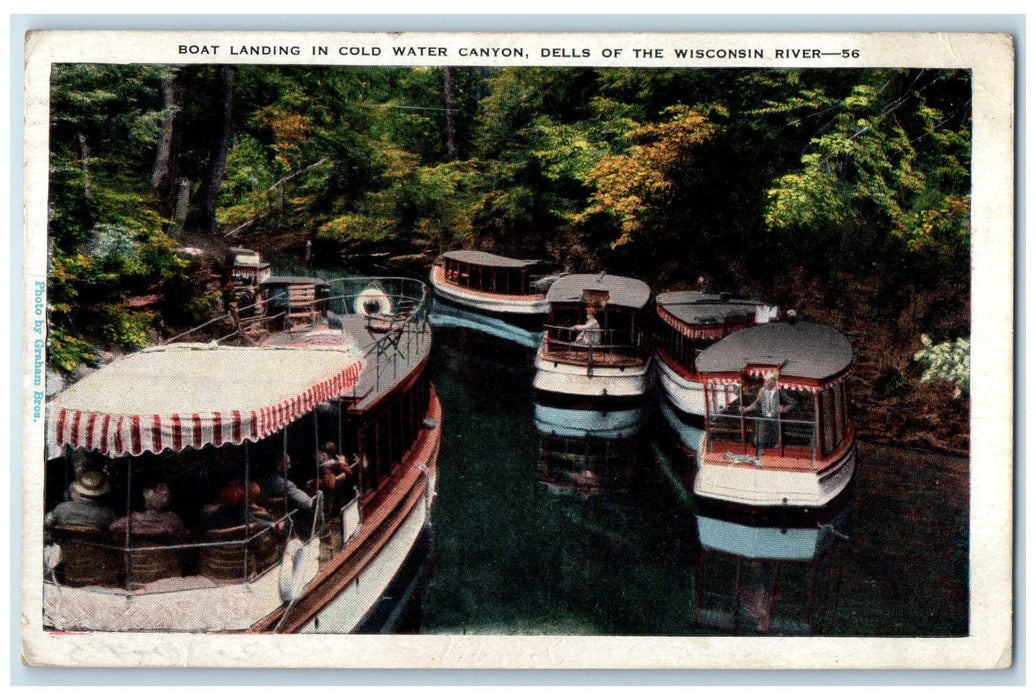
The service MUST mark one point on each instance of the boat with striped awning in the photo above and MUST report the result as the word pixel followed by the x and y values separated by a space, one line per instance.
pixel 298 457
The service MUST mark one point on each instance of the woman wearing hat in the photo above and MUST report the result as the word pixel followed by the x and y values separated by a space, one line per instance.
pixel 88 506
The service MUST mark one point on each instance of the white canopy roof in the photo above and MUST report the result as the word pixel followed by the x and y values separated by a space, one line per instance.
pixel 190 395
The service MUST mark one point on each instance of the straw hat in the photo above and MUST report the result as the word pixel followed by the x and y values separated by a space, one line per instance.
pixel 91 484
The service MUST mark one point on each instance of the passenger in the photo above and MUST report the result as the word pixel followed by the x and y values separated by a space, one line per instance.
pixel 772 401
pixel 156 520
pixel 336 472
pixel 276 485
pixel 230 510
pixel 335 469
pixel 87 506
pixel 589 332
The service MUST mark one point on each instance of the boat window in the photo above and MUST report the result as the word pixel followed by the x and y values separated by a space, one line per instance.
pixel 391 434
pixel 834 424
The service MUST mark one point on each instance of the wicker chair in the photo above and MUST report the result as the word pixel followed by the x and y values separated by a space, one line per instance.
pixel 145 564
pixel 90 557
pixel 237 560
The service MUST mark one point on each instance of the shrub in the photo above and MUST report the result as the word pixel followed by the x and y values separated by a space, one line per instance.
pixel 948 361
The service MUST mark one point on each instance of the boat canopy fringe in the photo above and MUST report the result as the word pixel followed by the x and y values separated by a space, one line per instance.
pixel 193 395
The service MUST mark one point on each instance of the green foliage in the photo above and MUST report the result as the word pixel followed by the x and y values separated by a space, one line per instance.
pixel 121 328
pixel 948 361
pixel 665 174
pixel 635 188
pixel 66 351
pixel 888 170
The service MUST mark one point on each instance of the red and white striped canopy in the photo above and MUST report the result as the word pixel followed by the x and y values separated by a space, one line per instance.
pixel 191 395
pixel 790 383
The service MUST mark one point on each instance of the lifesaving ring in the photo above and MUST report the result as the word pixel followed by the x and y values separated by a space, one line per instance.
pixel 373 302
pixel 289 563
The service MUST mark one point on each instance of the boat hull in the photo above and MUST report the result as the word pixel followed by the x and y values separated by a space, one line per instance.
pixel 360 598
pixel 574 422
pixel 350 586
pixel 579 380
pixel 685 394
pixel 751 486
pixel 530 305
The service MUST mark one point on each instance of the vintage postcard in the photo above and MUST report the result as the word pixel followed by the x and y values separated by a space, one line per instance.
pixel 518 350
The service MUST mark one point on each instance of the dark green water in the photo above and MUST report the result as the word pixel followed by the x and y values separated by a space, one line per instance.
pixel 515 556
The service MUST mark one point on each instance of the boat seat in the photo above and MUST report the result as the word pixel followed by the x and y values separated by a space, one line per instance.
pixel 238 560
pixel 90 556
pixel 146 565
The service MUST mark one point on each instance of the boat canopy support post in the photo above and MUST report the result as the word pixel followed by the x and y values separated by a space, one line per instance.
pixel 248 507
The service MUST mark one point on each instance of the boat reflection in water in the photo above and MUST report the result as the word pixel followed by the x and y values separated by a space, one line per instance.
pixel 586 448
pixel 504 297
pixel 777 577
pixel 525 332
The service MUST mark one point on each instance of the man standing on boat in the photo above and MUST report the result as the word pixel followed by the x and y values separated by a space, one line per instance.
pixel 772 401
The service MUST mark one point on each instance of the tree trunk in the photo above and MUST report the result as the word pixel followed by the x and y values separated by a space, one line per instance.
pixel 451 102
pixel 165 173
pixel 84 164
pixel 180 207
pixel 208 196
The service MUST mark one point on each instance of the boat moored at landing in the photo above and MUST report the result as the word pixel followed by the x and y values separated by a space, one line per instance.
pixel 509 288
pixel 595 343
pixel 778 428
pixel 300 452
pixel 687 323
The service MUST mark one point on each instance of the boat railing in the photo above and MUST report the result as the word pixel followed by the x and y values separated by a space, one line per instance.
pixel 764 433
pixel 393 307
pixel 400 329
pixel 97 558
pixel 599 347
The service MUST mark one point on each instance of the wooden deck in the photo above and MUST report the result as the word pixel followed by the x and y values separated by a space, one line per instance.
pixel 392 350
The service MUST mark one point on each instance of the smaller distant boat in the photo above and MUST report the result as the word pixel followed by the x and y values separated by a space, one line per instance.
pixel 778 427
pixel 595 342
pixel 501 296
pixel 689 322
pixel 492 284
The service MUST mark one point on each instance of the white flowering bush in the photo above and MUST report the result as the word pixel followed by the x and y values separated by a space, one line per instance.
pixel 949 361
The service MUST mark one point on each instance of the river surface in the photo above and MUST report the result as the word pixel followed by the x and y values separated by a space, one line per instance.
pixel 538 531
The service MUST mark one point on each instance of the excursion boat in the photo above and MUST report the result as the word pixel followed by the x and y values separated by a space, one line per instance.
pixel 329 405
pixel 689 322
pixel 779 578
pixel 594 342
pixel 496 294
pixel 778 430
